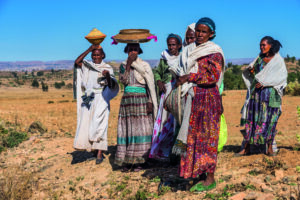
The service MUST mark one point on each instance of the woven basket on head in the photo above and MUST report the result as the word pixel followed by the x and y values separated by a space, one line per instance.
pixel 133 36
pixel 95 36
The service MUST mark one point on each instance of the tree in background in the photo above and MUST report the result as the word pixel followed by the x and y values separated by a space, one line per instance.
pixel 299 62
pixel 40 73
pixel 293 59
pixel 44 87
pixel 35 83
pixel 233 78
pixel 287 59
pixel 14 74
pixel 58 85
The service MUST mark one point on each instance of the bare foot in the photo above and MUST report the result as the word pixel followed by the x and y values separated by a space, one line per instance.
pixel 210 179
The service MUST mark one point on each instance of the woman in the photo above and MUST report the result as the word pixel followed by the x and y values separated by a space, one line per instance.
pixel 165 75
pixel 96 86
pixel 265 78
pixel 139 101
pixel 197 142
pixel 189 35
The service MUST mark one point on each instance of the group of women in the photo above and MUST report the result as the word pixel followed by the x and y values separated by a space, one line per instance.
pixel 148 128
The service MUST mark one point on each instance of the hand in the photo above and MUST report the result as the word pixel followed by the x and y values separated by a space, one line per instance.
pixel 93 47
pixel 105 73
pixel 161 86
pixel 149 108
pixel 182 79
pixel 251 70
pixel 132 56
pixel 258 85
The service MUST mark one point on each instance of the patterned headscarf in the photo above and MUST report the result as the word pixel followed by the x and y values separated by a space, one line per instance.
pixel 210 23
pixel 177 37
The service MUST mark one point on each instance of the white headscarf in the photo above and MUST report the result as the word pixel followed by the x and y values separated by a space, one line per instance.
pixel 192 27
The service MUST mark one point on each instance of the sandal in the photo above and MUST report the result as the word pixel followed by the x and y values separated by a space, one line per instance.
pixel 99 160
pixel 200 187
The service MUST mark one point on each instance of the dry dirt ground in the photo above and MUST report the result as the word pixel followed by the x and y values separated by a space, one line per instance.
pixel 47 167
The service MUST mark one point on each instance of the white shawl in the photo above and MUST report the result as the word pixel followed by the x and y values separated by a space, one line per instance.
pixel 189 58
pixel 144 75
pixel 274 74
pixel 172 61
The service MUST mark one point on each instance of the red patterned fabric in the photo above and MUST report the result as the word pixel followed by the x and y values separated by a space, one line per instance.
pixel 203 135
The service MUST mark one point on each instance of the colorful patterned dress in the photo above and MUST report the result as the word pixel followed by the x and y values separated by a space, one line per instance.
pixel 164 128
pixel 135 126
pixel 263 111
pixel 203 133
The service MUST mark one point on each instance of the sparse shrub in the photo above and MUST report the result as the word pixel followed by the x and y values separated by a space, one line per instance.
pixel 50 102
pixel 10 138
pixel 37 127
pixel 69 86
pixel 44 87
pixel 63 101
pixel 58 85
pixel 17 184
pixel 35 83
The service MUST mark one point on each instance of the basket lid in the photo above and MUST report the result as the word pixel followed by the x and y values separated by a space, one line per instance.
pixel 95 34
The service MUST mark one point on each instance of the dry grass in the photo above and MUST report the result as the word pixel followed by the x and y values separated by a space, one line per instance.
pixel 16 183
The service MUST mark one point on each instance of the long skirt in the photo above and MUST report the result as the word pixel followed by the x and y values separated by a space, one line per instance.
pixel 203 133
pixel 135 128
pixel 162 141
pixel 261 120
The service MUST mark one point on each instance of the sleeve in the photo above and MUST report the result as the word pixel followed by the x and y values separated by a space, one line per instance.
pixel 209 71
pixel 123 75
pixel 158 72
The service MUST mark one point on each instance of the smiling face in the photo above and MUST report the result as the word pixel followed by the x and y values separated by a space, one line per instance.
pixel 173 46
pixel 203 33
pixel 265 47
pixel 97 56
pixel 190 36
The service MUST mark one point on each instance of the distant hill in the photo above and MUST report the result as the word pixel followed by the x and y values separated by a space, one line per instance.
pixel 68 64
pixel 60 64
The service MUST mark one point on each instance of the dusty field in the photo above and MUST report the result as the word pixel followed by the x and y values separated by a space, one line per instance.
pixel 53 170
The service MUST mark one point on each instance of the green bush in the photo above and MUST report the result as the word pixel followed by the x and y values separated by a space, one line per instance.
pixel 35 83
pixel 10 138
pixel 233 78
pixel 293 88
pixel 58 85
pixel 40 73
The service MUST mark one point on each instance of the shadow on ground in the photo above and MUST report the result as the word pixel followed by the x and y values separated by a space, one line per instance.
pixel 81 156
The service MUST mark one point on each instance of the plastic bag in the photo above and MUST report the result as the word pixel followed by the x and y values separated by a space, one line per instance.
pixel 223 133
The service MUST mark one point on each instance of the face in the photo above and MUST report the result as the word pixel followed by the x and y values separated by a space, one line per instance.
pixel 265 47
pixel 97 56
pixel 173 46
pixel 133 49
pixel 190 36
pixel 203 33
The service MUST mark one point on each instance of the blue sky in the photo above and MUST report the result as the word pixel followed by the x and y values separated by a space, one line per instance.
pixel 54 29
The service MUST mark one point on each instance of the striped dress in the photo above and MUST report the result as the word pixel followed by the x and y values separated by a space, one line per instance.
pixel 135 126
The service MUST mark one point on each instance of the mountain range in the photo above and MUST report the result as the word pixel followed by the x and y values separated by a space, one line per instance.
pixel 68 64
